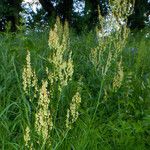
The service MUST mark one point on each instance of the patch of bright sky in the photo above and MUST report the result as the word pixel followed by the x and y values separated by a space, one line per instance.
pixel 29 6
pixel 34 4
pixel 78 6
pixel 110 25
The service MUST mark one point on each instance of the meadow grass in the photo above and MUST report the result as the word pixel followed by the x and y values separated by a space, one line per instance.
pixel 94 93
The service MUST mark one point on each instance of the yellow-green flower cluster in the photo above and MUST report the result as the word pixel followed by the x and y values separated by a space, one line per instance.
pixel 27 139
pixel 27 74
pixel 122 9
pixel 43 119
pixel 29 77
pixel 108 64
pixel 54 35
pixel 60 57
pixel 118 77
pixel 95 56
pixel 72 112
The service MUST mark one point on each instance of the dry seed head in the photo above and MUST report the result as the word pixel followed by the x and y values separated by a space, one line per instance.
pixel 43 119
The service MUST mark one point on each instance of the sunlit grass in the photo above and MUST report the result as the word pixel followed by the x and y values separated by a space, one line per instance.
pixel 109 118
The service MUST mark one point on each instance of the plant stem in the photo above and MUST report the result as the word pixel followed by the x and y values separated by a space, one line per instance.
pixel 58 144
pixel 99 97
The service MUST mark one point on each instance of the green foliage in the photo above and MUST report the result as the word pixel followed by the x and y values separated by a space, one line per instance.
pixel 7 7
pixel 122 118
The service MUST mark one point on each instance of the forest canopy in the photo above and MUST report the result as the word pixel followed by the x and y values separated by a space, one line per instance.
pixel 78 13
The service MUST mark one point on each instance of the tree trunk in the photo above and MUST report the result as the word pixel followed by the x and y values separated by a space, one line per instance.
pixel 136 20
pixel 67 10
pixel 48 6
pixel 91 11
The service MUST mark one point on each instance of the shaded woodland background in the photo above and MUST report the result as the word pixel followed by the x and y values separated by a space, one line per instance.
pixel 88 81
pixel 11 10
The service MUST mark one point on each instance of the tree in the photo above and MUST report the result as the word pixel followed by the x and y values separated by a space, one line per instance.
pixel 140 14
pixel 62 8
pixel 48 6
pixel 91 11
pixel 9 12
pixel 65 10
pixel 10 9
pixel 104 7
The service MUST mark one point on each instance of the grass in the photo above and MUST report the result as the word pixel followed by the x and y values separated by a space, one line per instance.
pixel 108 118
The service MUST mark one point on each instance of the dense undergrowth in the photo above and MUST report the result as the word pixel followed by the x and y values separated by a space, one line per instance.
pixel 102 83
